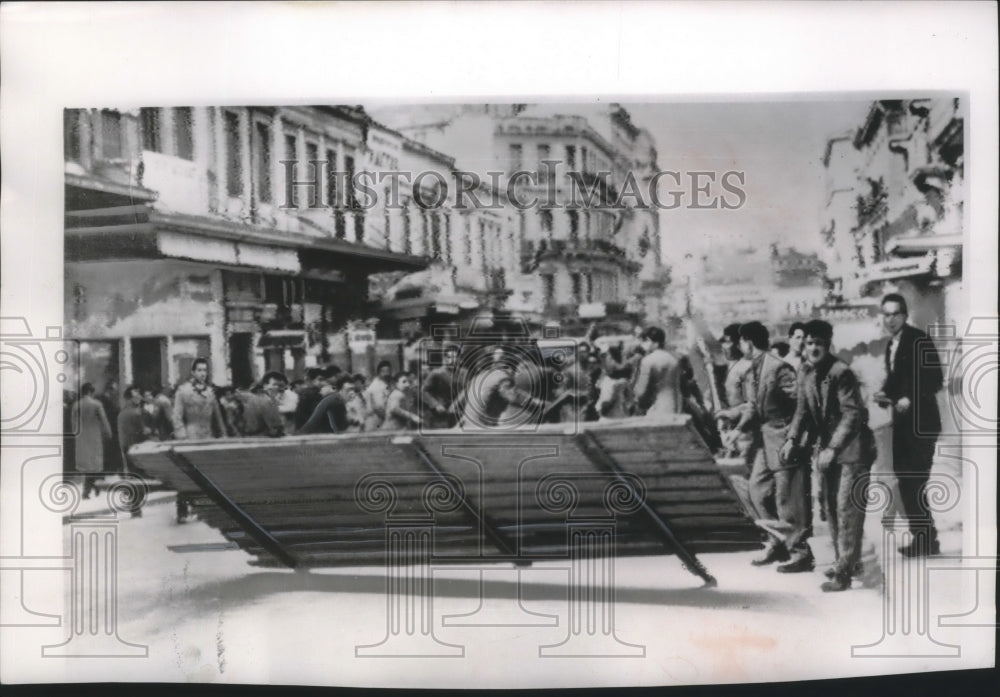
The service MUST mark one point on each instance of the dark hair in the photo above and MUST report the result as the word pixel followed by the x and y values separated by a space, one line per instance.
pixel 87 389
pixel 129 391
pixel 383 364
pixel 756 333
pixel 400 374
pixel 273 375
pixel 732 332
pixel 782 346
pixel 198 361
pixel 360 377
pixel 656 335
pixel 342 380
pixel 818 329
pixel 896 298
pixel 314 374
pixel 795 327
pixel 583 345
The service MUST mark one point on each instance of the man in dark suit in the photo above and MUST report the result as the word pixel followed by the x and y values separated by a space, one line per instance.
pixel 913 379
pixel 778 489
pixel 832 423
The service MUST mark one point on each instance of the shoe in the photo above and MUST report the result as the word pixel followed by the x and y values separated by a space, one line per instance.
pixel 858 570
pixel 920 548
pixel 839 582
pixel 798 565
pixel 771 555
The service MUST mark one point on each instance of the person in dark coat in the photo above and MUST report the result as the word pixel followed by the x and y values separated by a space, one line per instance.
pixel 261 416
pixel 134 426
pixel 331 414
pixel 309 397
pixel 832 423
pixel 913 379
pixel 90 423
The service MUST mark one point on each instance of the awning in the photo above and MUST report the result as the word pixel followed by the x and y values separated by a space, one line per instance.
pixel 283 338
pixel 923 244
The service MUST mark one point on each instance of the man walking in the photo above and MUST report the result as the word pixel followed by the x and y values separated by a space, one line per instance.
pixel 913 379
pixel 133 427
pixel 831 417
pixel 778 488
pixel 92 429
pixel 196 415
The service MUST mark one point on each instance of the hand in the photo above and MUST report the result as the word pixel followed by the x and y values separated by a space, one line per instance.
pixel 786 452
pixel 825 459
pixel 729 438
pixel 902 405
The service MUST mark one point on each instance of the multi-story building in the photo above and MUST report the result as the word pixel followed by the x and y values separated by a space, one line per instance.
pixel 207 232
pixel 771 285
pixel 585 253
pixel 893 219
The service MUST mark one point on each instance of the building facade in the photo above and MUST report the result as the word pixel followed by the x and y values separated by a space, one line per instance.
pixel 206 232
pixel 894 212
pixel 571 248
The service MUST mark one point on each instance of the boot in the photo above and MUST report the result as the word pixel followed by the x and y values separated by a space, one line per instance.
pixel 839 582
pixel 801 563
pixel 772 554
pixel 922 545
pixel 858 570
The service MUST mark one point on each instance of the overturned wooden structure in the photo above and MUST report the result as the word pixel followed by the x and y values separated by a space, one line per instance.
pixel 631 487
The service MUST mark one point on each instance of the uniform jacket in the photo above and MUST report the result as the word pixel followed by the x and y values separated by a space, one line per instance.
pixel 831 413
pixel 92 428
pixel 917 376
pixel 196 413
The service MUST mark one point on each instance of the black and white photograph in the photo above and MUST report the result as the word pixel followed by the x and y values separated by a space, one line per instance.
pixel 310 384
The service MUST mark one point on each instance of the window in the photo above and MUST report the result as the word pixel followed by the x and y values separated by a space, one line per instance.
pixel 292 154
pixel 72 147
pixel 407 240
pixel 234 155
pixel 184 132
pixel 544 171
pixel 149 122
pixel 313 171
pixel 331 178
pixel 589 287
pixel 349 183
pixel 516 158
pixel 583 158
pixel 574 226
pixel 549 288
pixel 570 158
pixel 545 219
pixel 435 236
pixel 576 283
pixel 467 247
pixel 111 132
pixel 262 161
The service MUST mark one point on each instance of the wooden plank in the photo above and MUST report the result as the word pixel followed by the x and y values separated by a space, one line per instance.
pixel 226 504
pixel 591 446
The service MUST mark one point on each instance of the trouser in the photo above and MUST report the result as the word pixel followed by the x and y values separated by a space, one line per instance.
pixel 912 458
pixel 846 497
pixel 780 497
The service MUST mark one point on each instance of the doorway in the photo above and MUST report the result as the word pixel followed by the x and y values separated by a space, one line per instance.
pixel 148 362
pixel 241 358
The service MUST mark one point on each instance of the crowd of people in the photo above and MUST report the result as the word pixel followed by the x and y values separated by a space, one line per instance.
pixel 790 409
